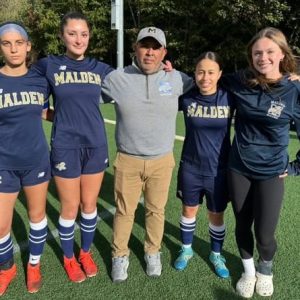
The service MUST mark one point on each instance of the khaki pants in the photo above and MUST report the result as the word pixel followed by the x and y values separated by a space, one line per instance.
pixel 132 177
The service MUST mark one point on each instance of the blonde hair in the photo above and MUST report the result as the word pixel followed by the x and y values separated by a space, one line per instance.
pixel 288 63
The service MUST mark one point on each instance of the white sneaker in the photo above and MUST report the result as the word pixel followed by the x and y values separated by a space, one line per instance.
pixel 119 268
pixel 264 285
pixel 245 286
pixel 153 264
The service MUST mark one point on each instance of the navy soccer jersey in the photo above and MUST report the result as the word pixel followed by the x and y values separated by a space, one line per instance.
pixel 262 126
pixel 23 145
pixel 207 120
pixel 76 88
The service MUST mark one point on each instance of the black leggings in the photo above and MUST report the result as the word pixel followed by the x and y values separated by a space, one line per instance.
pixel 259 202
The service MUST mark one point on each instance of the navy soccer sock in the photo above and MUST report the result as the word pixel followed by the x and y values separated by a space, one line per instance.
pixel 66 235
pixel 6 252
pixel 88 223
pixel 217 236
pixel 37 239
pixel 187 229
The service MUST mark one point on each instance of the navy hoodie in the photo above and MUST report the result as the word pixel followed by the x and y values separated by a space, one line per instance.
pixel 260 145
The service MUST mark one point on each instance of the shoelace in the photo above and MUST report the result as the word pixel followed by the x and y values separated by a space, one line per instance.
pixel 87 258
pixel 74 264
pixel 153 259
pixel 34 274
pixel 119 262
pixel 220 261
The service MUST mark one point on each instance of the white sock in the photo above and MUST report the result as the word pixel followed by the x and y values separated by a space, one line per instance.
pixel 34 259
pixel 249 267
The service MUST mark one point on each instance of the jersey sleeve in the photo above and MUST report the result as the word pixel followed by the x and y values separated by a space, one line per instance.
pixel 106 90
pixel 47 95
pixel 107 70
pixel 180 103
pixel 46 104
pixel 40 66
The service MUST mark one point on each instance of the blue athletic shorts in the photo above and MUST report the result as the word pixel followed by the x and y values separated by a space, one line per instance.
pixel 192 187
pixel 12 181
pixel 71 163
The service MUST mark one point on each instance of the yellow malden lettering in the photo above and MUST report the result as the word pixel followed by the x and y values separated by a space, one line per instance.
pixel 59 78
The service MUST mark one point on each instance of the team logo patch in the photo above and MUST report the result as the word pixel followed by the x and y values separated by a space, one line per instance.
pixel 41 174
pixel 61 166
pixel 63 68
pixel 275 109
pixel 165 88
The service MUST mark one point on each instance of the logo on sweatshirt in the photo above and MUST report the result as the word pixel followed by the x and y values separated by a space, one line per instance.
pixel 63 68
pixel 165 88
pixel 275 109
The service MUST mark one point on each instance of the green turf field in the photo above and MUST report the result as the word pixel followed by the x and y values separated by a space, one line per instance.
pixel 197 282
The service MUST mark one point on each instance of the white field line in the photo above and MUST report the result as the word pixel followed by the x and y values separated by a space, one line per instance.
pixel 54 233
pixel 177 137
pixel 104 215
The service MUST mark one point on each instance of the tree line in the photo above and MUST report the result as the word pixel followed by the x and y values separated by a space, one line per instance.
pixel 191 26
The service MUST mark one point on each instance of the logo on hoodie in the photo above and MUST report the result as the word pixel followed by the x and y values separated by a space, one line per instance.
pixel 165 88
pixel 275 109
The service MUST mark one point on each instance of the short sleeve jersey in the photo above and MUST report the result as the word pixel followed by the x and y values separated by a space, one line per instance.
pixel 207 120
pixel 76 89
pixel 23 145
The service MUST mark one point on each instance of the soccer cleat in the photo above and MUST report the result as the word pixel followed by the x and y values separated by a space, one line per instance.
pixel 87 263
pixel 34 278
pixel 185 254
pixel 6 277
pixel 245 286
pixel 119 268
pixel 219 264
pixel 73 270
pixel 154 266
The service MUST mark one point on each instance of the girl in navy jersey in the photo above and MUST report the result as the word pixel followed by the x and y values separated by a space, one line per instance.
pixel 24 153
pixel 79 152
pixel 266 103
pixel 207 112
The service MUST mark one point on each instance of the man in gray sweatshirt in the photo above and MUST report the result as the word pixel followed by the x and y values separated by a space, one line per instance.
pixel 146 104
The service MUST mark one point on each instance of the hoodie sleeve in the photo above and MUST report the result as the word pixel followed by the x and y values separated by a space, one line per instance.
pixel 294 166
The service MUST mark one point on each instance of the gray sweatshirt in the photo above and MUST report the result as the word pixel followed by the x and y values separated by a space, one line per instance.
pixel 146 107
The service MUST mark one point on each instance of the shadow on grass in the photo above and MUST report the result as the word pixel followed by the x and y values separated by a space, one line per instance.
pixel 202 248
pixel 222 294
pixel 20 231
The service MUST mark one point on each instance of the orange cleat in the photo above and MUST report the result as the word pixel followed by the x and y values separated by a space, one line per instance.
pixel 88 264
pixel 73 270
pixel 34 278
pixel 6 277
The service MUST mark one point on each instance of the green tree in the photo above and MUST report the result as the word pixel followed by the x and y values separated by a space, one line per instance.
pixel 43 19
pixel 191 26
pixel 11 10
